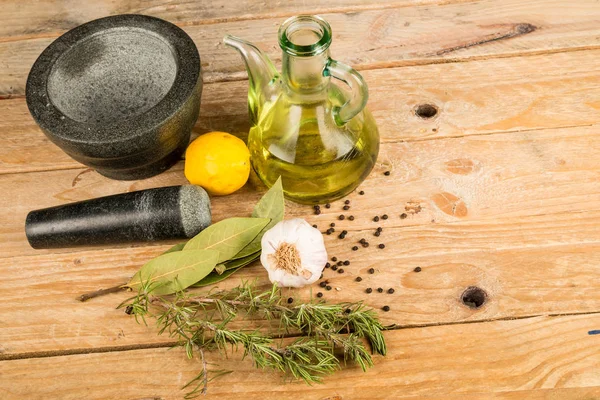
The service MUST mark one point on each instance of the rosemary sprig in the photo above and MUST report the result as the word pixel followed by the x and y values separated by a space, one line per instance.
pixel 201 323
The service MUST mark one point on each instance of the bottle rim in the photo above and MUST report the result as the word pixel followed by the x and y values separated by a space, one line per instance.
pixel 313 23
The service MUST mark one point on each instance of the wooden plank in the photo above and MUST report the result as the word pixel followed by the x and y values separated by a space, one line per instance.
pixel 531 202
pixel 490 178
pixel 379 38
pixel 493 357
pixel 576 393
pixel 49 18
pixel 40 313
pixel 474 101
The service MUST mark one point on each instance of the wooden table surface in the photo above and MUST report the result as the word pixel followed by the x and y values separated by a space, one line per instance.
pixel 501 189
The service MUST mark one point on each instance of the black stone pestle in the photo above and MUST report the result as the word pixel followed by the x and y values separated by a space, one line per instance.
pixel 146 215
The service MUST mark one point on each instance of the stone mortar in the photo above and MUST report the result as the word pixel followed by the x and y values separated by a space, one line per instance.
pixel 119 94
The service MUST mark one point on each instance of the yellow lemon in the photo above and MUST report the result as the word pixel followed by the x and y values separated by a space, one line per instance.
pixel 217 161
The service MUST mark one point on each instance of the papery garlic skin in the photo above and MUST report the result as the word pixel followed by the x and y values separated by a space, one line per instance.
pixel 311 252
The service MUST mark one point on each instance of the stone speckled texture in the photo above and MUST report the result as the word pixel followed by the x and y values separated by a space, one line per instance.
pixel 147 215
pixel 119 94
pixel 194 214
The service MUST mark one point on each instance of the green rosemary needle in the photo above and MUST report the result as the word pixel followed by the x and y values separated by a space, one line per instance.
pixel 200 322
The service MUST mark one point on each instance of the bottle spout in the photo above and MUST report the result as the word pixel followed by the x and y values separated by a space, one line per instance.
pixel 261 71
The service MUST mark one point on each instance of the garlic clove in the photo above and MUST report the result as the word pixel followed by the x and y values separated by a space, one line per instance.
pixel 293 253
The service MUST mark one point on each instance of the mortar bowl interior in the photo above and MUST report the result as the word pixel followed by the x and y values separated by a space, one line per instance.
pixel 119 94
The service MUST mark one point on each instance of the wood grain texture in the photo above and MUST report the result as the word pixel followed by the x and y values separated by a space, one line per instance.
pixel 39 293
pixel 499 191
pixel 582 393
pixel 493 357
pixel 515 175
pixel 378 38
pixel 50 18
pixel 531 93
pixel 532 215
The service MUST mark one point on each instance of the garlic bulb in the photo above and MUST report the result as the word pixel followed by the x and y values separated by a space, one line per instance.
pixel 293 253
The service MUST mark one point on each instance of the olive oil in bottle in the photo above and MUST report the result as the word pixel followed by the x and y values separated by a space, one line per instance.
pixel 322 141
pixel 317 160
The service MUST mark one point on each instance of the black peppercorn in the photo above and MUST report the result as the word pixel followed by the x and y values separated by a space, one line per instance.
pixel 316 207
pixel 129 310
pixel 380 290
pixel 332 224
pixel 390 290
pixel 358 279
pixel 327 287
pixel 346 262
pixel 377 233
pixel 290 300
pixel 346 208
pixel 376 219
pixel 403 216
pixel 347 202
pixel 319 294
pixel 362 240
pixel 354 248
pixel 327 205
pixel 371 270
pixel 387 173
pixel 334 268
pixel 381 246
pixel 365 244
pixel 351 218
pixel 384 216
pixel 314 226
pixel 342 235
pixel 340 263
pixel 361 192
pixel 327 265
pixel 341 271
pixel 345 232
pixel 379 229
pixel 323 284
pixel 318 211
pixel 341 217
pixel 418 269
pixel 334 259
pixel 385 308
pixel 369 290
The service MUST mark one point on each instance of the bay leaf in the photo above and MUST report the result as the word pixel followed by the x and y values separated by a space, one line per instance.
pixel 172 272
pixel 219 269
pixel 242 261
pixel 272 206
pixel 228 237
pixel 177 247
pixel 213 277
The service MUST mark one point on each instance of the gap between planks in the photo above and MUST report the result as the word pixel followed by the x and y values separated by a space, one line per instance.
pixel 549 355
pixel 170 344
pixel 519 101
pixel 422 42
pixel 485 204
pixel 179 166
pixel 242 76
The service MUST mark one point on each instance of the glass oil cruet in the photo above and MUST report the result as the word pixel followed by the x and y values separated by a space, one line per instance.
pixel 318 136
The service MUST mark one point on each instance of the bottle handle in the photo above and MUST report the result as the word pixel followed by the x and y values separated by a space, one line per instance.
pixel 359 92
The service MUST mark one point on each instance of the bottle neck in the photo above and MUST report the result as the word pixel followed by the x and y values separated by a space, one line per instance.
pixel 304 74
